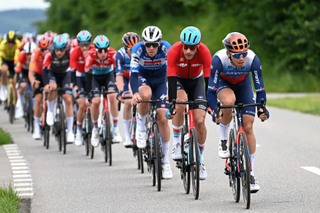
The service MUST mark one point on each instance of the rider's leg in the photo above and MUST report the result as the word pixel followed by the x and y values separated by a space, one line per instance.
pixel 178 119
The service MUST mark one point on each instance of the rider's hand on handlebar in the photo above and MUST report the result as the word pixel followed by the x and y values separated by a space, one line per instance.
pixel 47 88
pixel 262 116
pixel 136 98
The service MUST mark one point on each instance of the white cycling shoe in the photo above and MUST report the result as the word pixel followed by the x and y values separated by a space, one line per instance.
pixel 166 171
pixel 141 139
pixel 95 138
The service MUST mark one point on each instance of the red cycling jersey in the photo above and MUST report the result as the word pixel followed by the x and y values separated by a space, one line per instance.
pixel 100 67
pixel 178 65
pixel 22 62
pixel 77 59
pixel 36 61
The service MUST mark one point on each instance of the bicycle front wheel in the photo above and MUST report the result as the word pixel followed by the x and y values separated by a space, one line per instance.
pixel 156 144
pixel 184 171
pixel 194 161
pixel 62 129
pixel 30 113
pixel 245 169
pixel 11 106
pixel 234 181
pixel 108 139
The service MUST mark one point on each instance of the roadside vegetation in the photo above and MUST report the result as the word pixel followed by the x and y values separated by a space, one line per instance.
pixel 9 200
pixel 5 138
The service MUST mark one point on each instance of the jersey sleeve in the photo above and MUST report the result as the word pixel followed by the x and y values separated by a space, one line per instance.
pixel 47 59
pixel 119 64
pixel 88 63
pixel 256 70
pixel 34 61
pixel 73 59
pixel 135 57
pixel 21 60
pixel 206 56
pixel 172 55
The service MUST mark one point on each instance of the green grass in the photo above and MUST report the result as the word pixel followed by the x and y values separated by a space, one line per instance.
pixel 5 138
pixel 309 104
pixel 9 200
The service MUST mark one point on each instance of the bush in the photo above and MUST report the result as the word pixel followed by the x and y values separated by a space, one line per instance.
pixel 5 138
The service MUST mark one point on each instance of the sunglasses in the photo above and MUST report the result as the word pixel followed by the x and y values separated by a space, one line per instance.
pixel 238 55
pixel 100 50
pixel 191 47
pixel 129 49
pixel 43 50
pixel 59 49
pixel 84 44
pixel 11 42
pixel 149 44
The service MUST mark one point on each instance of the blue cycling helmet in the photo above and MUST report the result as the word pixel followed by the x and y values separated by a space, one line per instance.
pixel 101 41
pixel 84 35
pixel 60 41
pixel 191 36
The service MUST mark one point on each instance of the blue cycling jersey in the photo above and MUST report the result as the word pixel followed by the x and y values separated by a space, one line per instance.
pixel 143 65
pixel 123 62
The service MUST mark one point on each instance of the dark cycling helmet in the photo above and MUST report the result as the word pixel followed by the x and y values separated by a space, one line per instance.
pixel 191 36
pixel 151 34
pixel 84 35
pixel 19 35
pixel 236 42
pixel 60 41
pixel 130 39
pixel 44 42
pixel 101 41
pixel 11 36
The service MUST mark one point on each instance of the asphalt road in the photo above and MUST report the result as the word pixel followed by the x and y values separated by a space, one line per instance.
pixel 75 183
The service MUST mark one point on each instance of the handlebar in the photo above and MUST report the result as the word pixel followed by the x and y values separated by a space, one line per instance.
pixel 174 102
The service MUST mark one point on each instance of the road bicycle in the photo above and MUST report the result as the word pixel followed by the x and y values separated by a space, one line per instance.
pixel 87 131
pixel 191 161
pixel 153 152
pixel 45 128
pixel 238 165
pixel 11 101
pixel 28 108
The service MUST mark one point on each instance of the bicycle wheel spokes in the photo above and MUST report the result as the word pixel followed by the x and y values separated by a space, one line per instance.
pixel 245 169
pixel 184 170
pixel 234 181
pixel 156 144
pixel 195 165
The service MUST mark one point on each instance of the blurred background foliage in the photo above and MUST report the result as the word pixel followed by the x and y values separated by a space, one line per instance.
pixel 283 33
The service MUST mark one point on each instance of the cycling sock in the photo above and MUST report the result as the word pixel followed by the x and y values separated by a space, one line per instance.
pixel 79 125
pixel 70 123
pixel 141 121
pixel 51 105
pixel 36 122
pixel 127 124
pixel 165 152
pixel 224 131
pixel 95 124
pixel 201 150
pixel 252 163
pixel 176 135
pixel 115 123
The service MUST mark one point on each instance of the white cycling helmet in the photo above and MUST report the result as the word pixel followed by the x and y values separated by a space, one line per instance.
pixel 151 34
pixel 29 47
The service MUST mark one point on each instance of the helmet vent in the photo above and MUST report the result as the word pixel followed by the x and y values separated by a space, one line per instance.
pixel 195 38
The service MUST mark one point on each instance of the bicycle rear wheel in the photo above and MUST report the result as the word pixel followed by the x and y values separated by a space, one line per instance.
pixel 140 160
pixel 245 169
pixel 184 171
pixel 62 129
pixel 108 139
pixel 46 135
pixel 194 161
pixel 156 144
pixel 234 181
pixel 11 106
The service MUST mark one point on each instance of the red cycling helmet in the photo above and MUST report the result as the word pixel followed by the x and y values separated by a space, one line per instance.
pixel 44 42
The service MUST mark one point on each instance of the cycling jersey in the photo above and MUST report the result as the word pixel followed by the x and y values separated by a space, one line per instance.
pixel 143 65
pixel 123 62
pixel 179 66
pixel 36 62
pixel 225 75
pixel 7 53
pixel 97 67
pixel 77 60
pixel 23 62
pixel 58 65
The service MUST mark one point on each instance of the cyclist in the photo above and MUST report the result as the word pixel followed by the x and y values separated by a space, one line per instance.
pixel 35 78
pixel 8 53
pixel 56 61
pixel 123 60
pixel 230 83
pixel 186 59
pixel 22 70
pixel 77 56
pixel 99 69
pixel 148 81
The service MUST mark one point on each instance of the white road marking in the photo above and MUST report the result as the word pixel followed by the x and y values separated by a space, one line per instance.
pixel 312 169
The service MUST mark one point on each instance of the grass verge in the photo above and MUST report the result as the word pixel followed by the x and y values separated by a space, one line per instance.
pixel 9 200
pixel 5 138
pixel 308 104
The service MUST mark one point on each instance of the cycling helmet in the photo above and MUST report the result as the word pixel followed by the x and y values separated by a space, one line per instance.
pixel 44 42
pixel 60 41
pixel 11 36
pixel 27 39
pixel 191 36
pixel 236 42
pixel 49 34
pixel 74 43
pixel 29 47
pixel 19 35
pixel 151 34
pixel 130 39
pixel 84 35
pixel 101 41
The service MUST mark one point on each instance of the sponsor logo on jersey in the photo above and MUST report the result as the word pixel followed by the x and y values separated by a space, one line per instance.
pixel 196 65
pixel 152 63
pixel 201 106
pixel 139 51
pixel 164 49
pixel 256 77
pixel 181 59
pixel 182 65
pixel 163 97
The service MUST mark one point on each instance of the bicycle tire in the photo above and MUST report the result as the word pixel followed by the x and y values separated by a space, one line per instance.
pixel 30 113
pixel 47 135
pixel 140 160
pixel 92 147
pixel 87 138
pixel 184 171
pixel 11 107
pixel 195 164
pixel 234 181
pixel 108 139
pixel 156 144
pixel 43 121
pixel 63 129
pixel 245 169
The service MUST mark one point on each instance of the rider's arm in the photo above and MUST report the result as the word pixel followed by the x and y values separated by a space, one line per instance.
pixel 45 69
pixel 33 66
pixel 172 67
pixel 135 63
pixel 206 56
pixel 88 70
pixel 119 71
